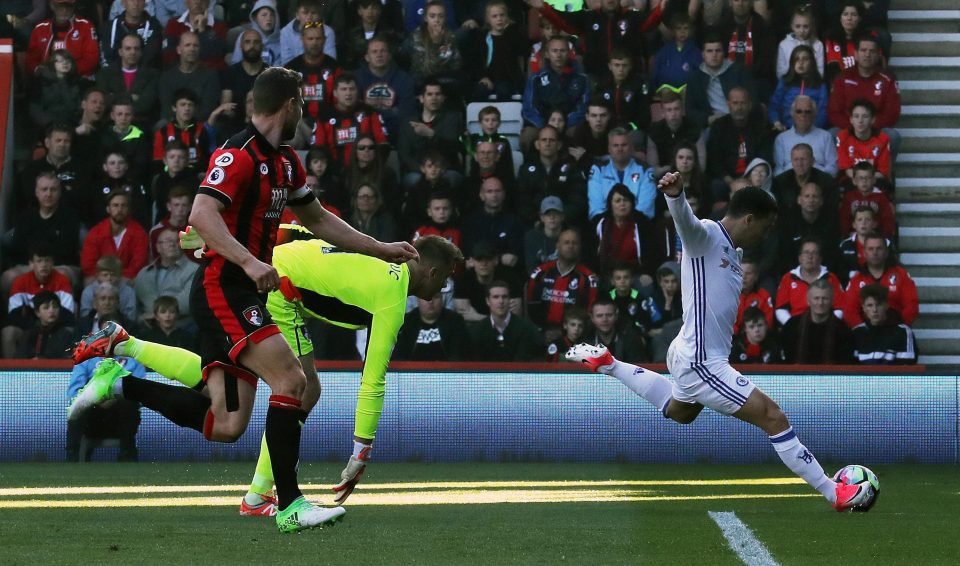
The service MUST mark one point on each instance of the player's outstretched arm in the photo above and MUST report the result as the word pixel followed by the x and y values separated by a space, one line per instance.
pixel 206 219
pixel 692 233
pixel 332 229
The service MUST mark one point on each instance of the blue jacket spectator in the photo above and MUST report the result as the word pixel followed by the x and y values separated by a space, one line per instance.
pixel 558 87
pixel 622 168
pixel 673 66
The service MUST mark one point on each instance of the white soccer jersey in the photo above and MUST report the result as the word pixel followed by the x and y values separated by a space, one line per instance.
pixel 710 284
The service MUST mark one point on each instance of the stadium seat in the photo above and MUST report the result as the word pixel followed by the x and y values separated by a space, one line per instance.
pixel 89 443
pixel 510 120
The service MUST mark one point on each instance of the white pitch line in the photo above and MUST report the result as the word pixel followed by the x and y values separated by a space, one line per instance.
pixel 741 540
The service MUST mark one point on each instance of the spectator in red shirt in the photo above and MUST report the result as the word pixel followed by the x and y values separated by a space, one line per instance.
pixel 866 193
pixel 792 291
pixel 339 126
pixel 65 31
pixel 881 269
pixel 753 296
pixel 862 142
pixel 319 70
pixel 868 80
pixel 117 235
pixel 41 277
pixel 621 234
pixel 441 213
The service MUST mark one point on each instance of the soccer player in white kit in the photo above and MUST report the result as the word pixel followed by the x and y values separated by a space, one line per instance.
pixel 711 280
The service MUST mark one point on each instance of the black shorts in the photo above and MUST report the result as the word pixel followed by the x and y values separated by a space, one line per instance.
pixel 230 315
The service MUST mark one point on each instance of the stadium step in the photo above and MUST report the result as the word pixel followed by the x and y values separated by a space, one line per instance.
pixel 914 92
pixel 926 62
pixel 928 189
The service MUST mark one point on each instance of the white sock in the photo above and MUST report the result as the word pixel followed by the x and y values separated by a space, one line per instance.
pixel 648 384
pixel 801 461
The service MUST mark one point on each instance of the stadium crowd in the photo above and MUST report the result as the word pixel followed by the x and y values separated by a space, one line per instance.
pixel 531 134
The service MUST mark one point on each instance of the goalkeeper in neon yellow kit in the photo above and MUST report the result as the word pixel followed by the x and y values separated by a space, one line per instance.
pixel 317 281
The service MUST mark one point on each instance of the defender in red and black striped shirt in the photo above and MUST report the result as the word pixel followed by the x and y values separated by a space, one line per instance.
pixel 237 213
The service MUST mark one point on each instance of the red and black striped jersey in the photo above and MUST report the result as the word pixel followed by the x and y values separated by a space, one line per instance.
pixel 550 292
pixel 198 137
pixel 337 131
pixel 255 181
pixel 317 83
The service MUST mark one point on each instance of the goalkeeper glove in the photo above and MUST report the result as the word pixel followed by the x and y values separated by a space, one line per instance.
pixel 190 240
pixel 350 476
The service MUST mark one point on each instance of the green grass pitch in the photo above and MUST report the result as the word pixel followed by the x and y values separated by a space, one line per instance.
pixel 471 514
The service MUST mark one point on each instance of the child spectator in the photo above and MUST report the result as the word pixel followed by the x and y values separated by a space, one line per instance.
pixel 196 135
pixel 757 343
pixel 494 62
pixel 51 337
pixel 109 270
pixel 675 61
pixel 264 19
pixel 852 257
pixel 318 165
pixel 489 118
pixel 629 301
pixel 753 296
pixel 441 213
pixel 340 125
pixel 57 91
pixel 664 304
pixel 803 29
pixel 433 179
pixel 625 90
pixel 179 203
pixel 175 172
pixel 574 328
pixel 116 178
pixel 124 137
pixel 862 142
pixel 164 330
pixel 880 338
pixel 866 193
pixel 41 277
pixel 801 79
pixel 431 50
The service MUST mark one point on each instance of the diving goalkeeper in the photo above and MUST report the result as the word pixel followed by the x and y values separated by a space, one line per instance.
pixel 319 281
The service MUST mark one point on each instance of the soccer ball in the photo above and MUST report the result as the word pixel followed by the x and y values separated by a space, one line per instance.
pixel 866 480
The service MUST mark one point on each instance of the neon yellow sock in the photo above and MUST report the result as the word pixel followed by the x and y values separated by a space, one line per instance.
pixel 263 477
pixel 173 363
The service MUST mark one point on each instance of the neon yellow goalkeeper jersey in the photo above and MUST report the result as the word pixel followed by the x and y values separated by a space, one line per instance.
pixel 346 289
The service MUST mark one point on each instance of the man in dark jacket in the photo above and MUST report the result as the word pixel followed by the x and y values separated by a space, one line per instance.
pixel 431 333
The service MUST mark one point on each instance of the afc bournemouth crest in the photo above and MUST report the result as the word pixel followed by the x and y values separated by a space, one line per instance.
pixel 253 316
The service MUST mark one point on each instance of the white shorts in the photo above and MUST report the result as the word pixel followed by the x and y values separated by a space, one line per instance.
pixel 713 384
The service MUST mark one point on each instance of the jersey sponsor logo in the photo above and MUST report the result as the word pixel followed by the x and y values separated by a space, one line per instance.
pixel 346 136
pixel 253 315
pixel 223 160
pixel 216 176
pixel 278 199
pixel 312 93
pixel 556 296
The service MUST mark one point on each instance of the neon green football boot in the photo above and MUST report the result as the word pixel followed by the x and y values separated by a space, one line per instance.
pixel 99 389
pixel 301 515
